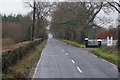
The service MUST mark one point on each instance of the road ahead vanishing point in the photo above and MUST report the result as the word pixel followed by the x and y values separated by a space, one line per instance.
pixel 60 60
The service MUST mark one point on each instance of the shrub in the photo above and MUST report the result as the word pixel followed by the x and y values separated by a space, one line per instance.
pixel 10 57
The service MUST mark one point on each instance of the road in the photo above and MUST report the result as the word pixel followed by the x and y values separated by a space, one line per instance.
pixel 59 60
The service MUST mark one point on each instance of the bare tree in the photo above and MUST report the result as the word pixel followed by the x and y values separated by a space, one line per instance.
pixel 116 5
pixel 43 10
pixel 77 17
pixel 104 21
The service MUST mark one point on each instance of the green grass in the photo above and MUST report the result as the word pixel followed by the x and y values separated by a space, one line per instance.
pixel 107 56
pixel 73 43
pixel 22 68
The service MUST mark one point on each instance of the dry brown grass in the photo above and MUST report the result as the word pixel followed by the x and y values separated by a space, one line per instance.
pixel 110 49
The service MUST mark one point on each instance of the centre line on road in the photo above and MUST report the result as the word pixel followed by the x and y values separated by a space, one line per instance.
pixel 79 69
pixel 73 61
pixel 66 53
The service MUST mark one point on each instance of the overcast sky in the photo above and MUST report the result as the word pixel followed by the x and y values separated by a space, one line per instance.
pixel 13 6
pixel 19 7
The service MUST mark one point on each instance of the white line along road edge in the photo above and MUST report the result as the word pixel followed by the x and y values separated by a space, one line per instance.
pixel 105 60
pixel 38 63
pixel 79 69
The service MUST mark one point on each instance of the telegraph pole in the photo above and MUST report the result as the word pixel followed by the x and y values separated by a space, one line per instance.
pixel 33 21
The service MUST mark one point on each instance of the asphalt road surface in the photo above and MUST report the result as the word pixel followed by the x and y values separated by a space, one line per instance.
pixel 60 60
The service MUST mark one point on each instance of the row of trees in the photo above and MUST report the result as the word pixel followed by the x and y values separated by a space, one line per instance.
pixel 75 20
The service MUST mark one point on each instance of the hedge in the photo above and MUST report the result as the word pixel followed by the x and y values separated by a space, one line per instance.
pixel 10 57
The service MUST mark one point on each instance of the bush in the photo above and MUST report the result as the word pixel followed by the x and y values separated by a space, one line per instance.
pixel 10 57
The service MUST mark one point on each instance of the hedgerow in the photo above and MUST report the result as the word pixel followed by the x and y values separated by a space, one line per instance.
pixel 10 57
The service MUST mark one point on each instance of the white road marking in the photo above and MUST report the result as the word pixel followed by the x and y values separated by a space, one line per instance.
pixel 73 61
pixel 38 63
pixel 115 68
pixel 66 53
pixel 94 55
pixel 63 50
pixel 79 69
pixel 110 63
pixel 105 60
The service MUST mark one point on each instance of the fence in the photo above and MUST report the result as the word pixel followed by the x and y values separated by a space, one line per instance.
pixel 100 42
pixel 109 42
pixel 92 43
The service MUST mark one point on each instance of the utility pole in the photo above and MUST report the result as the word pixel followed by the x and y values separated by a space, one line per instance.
pixel 119 41
pixel 33 21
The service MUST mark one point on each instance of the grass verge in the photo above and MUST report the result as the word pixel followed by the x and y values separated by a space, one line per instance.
pixel 22 68
pixel 111 57
pixel 72 43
